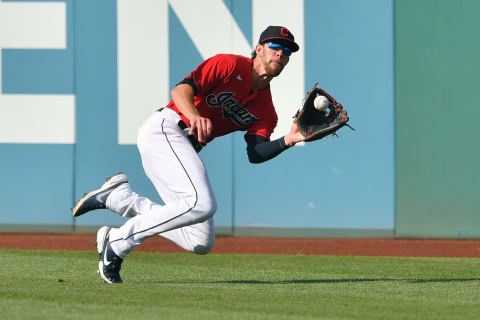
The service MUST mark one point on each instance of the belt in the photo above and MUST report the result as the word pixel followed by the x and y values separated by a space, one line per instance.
pixel 193 140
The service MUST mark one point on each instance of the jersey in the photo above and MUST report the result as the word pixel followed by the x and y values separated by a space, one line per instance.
pixel 224 96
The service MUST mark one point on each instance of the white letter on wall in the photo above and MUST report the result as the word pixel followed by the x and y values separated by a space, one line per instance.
pixel 288 89
pixel 143 52
pixel 34 118
pixel 142 63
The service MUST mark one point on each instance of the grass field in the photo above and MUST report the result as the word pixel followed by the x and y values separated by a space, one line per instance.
pixel 64 285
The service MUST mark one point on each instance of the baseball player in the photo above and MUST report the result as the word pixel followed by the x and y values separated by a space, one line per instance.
pixel 225 93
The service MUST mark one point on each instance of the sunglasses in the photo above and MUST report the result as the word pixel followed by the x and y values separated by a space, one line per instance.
pixel 277 46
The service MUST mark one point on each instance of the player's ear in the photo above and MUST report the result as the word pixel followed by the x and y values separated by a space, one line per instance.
pixel 259 49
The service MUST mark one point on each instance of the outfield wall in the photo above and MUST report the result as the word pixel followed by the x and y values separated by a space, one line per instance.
pixel 79 76
pixel 436 110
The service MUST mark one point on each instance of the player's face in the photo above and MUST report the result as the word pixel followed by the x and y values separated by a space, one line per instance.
pixel 274 60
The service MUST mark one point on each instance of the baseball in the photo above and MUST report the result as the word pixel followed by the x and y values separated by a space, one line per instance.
pixel 321 103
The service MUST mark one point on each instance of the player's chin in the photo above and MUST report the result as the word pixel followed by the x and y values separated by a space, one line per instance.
pixel 275 69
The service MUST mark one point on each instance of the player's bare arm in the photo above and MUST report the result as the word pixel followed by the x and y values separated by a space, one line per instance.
pixel 182 95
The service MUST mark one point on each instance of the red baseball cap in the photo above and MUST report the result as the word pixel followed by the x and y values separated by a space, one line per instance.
pixel 279 34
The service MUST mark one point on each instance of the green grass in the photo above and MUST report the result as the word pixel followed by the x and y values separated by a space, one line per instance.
pixel 64 285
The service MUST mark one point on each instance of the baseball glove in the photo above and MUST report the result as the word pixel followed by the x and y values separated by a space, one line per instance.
pixel 315 124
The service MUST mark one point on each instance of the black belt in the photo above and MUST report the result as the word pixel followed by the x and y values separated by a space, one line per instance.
pixel 193 140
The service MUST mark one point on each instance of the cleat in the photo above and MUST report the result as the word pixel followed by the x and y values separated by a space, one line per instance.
pixel 96 199
pixel 109 264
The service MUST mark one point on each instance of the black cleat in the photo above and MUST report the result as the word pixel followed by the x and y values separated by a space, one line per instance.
pixel 96 199
pixel 109 264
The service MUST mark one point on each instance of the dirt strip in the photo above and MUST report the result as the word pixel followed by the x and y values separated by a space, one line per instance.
pixel 357 247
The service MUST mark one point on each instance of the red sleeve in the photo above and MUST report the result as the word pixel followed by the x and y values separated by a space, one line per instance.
pixel 267 123
pixel 210 73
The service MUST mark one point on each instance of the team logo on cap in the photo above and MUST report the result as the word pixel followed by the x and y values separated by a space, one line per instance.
pixel 284 32
pixel 231 108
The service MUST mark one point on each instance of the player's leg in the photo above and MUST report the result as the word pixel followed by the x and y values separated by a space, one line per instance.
pixel 197 238
pixel 176 171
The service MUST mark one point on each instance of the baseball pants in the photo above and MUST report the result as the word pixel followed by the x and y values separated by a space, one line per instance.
pixel 180 178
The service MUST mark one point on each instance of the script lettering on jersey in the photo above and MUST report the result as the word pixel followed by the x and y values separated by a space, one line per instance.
pixel 231 108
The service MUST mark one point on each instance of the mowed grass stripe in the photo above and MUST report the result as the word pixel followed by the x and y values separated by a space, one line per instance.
pixel 64 284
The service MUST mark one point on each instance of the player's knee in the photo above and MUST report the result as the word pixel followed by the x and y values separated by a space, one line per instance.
pixel 206 207
pixel 210 207
pixel 202 206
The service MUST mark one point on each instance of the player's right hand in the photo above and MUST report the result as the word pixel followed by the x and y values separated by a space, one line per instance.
pixel 201 128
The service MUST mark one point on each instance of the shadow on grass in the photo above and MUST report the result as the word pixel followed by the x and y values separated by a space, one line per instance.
pixel 442 280
pixel 305 281
pixel 315 281
pixel 298 281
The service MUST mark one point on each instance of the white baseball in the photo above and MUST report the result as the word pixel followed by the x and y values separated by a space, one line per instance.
pixel 321 103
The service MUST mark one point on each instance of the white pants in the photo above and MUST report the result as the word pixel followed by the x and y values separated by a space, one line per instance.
pixel 180 178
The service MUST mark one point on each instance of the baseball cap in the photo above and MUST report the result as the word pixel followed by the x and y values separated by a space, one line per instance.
pixel 279 34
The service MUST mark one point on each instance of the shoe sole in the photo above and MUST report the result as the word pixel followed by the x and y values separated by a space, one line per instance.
pixel 117 180
pixel 102 236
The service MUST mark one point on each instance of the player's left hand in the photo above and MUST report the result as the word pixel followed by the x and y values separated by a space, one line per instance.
pixel 294 136
pixel 313 123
